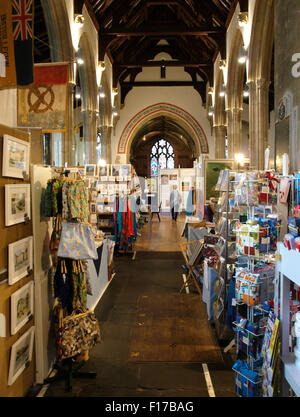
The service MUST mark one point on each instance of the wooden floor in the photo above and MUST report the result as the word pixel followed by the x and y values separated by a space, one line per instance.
pixel 155 272
pixel 173 328
pixel 161 236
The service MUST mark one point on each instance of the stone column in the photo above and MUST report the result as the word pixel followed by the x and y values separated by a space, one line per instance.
pixel 234 131
pixel 219 141
pixel 258 121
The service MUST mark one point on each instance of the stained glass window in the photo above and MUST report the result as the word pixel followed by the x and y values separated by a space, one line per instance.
pixel 162 156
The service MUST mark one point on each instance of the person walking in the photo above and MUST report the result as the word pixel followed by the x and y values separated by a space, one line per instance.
pixel 175 201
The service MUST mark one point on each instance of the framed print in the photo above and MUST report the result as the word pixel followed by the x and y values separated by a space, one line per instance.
pixel 17 203
pixel 21 307
pixel 20 259
pixel 212 170
pixel 21 355
pixel 16 154
pixel 164 179
pixel 90 170
pixel 93 208
pixel 115 170
pixel 103 171
pixel 125 170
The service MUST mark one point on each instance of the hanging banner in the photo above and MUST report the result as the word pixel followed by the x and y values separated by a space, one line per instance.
pixel 16 42
pixel 44 103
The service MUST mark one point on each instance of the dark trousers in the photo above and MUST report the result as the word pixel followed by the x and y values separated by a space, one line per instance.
pixel 174 212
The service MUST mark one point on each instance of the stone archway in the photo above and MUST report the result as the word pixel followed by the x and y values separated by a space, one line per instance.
pixel 234 89
pixel 259 76
pixel 190 124
pixel 89 106
pixel 61 50
pixel 219 124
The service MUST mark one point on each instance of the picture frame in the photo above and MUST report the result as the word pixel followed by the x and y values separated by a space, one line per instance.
pixel 16 157
pixel 21 355
pixel 20 259
pixel 90 170
pixel 164 179
pixel 17 203
pixel 21 307
pixel 115 170
pixel 125 170
pixel 103 171
pixel 212 169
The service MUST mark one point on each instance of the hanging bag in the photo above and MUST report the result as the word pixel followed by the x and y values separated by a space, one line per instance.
pixel 77 333
pixel 77 241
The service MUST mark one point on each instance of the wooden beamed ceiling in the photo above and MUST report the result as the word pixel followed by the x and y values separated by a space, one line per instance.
pixel 193 32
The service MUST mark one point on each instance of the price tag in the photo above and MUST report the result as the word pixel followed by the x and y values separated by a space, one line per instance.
pixel 265 240
pixel 265 189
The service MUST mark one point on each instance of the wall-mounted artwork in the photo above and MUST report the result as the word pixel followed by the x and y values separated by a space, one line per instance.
pixel 20 259
pixel 212 169
pixel 103 171
pixel 17 203
pixel 21 307
pixel 16 156
pixel 115 170
pixel 21 355
pixel 90 170
pixel 125 170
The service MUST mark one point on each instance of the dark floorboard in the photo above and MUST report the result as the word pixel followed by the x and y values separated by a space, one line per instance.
pixel 116 376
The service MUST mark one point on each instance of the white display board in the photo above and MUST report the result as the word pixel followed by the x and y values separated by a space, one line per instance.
pixel 167 178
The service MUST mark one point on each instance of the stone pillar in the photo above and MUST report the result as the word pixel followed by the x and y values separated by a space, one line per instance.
pixel 234 131
pixel 258 121
pixel 219 141
pixel 287 80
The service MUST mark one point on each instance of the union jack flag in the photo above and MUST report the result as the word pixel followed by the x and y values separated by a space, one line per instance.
pixel 22 19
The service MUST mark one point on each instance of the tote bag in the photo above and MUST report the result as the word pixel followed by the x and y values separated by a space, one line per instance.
pixel 77 241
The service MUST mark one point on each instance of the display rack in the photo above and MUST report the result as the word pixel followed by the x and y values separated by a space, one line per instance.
pixel 250 308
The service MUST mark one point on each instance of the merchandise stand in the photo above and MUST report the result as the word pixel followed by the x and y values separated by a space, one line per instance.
pixel 188 249
pixel 67 371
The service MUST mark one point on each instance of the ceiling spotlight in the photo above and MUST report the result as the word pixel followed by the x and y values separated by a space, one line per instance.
pixel 210 90
pixel 80 61
pixel 115 111
pixel 77 92
pixel 243 19
pixel 79 20
pixel 101 91
pixel 246 91
pixel 222 64
pixel 144 138
pixel 210 111
pixel 222 90
pixel 242 55
pixel 114 91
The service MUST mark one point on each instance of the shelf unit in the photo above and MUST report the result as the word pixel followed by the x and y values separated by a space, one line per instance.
pixel 288 270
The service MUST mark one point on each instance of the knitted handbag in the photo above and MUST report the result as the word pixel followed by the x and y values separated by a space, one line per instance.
pixel 77 333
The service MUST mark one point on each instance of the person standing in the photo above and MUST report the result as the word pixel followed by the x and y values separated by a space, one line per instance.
pixel 175 201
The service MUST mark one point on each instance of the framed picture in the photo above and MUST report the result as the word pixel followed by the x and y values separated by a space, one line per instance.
pixel 164 179
pixel 103 171
pixel 16 154
pixel 93 208
pixel 173 177
pixel 115 170
pixel 212 169
pixel 21 355
pixel 90 170
pixel 21 307
pixel 17 203
pixel 20 259
pixel 125 170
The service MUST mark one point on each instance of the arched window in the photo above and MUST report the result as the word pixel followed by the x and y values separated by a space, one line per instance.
pixel 162 156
